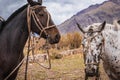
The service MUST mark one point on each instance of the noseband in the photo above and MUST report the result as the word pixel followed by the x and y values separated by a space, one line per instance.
pixel 31 13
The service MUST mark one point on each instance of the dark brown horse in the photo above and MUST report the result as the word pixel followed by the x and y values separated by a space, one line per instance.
pixel 15 33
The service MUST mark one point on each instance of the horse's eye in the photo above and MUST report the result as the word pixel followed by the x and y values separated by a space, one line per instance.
pixel 41 14
pixel 82 43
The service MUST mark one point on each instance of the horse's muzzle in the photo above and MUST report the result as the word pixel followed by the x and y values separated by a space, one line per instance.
pixel 91 72
pixel 54 40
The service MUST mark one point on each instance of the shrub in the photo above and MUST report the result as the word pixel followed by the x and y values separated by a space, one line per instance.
pixel 70 40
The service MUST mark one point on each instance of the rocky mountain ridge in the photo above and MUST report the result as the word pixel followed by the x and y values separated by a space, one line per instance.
pixel 107 11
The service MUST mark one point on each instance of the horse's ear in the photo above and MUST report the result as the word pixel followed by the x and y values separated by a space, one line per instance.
pixel 116 24
pixel 80 28
pixel 118 21
pixel 102 26
pixel 40 1
pixel 32 3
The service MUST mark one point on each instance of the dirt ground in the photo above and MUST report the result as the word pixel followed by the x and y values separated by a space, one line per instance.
pixel 67 68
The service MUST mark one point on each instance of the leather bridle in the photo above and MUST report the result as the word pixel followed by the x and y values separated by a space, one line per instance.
pixel 31 13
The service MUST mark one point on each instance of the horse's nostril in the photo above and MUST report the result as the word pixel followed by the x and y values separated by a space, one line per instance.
pixel 93 69
pixel 54 40
pixel 57 37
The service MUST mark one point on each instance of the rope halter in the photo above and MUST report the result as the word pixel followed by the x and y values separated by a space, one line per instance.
pixel 88 45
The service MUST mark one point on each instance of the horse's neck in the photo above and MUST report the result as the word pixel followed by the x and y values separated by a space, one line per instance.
pixel 112 41
pixel 16 32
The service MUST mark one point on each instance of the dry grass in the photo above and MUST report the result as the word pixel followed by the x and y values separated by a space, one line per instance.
pixel 67 68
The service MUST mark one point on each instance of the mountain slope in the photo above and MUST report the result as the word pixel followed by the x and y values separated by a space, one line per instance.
pixel 107 11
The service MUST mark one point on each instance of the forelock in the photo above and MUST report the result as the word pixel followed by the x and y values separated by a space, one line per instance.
pixel 94 26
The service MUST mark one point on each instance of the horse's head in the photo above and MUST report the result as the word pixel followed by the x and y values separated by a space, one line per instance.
pixel 92 47
pixel 41 23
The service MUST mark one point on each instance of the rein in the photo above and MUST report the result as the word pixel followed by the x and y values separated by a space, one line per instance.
pixel 47 49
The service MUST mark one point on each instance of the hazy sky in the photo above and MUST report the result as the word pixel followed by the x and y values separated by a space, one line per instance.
pixel 60 10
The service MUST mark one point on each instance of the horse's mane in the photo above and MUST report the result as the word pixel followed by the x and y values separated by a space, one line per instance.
pixel 15 14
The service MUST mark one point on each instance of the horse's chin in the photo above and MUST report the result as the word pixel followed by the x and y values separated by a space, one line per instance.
pixel 91 73
pixel 53 42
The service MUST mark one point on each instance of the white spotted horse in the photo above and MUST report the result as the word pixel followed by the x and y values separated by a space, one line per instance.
pixel 101 41
pixel 15 31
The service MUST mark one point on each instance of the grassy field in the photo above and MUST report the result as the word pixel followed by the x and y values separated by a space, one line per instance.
pixel 67 68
